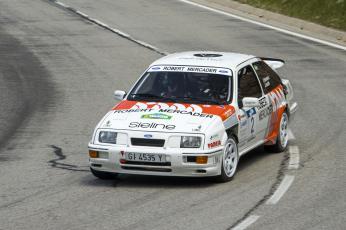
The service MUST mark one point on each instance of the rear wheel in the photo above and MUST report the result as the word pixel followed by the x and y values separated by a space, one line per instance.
pixel 230 160
pixel 103 175
pixel 282 138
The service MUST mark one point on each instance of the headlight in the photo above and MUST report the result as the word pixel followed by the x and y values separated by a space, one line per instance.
pixel 190 142
pixel 108 137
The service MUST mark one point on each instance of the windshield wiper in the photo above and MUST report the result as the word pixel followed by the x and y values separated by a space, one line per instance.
pixel 175 99
pixel 146 95
pixel 152 96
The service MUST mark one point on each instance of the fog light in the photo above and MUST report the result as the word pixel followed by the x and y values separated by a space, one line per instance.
pixel 103 155
pixel 93 154
pixel 201 159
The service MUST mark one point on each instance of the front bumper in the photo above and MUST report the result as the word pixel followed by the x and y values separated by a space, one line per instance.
pixel 178 163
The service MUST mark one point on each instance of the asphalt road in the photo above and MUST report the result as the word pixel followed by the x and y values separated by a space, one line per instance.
pixel 57 75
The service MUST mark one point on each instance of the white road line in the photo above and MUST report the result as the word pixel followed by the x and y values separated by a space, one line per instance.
pixel 82 14
pixel 61 4
pixel 290 135
pixel 104 25
pixel 283 187
pixel 294 157
pixel 246 222
pixel 267 26
pixel 98 22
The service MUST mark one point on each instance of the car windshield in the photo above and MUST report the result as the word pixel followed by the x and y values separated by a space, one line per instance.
pixel 182 87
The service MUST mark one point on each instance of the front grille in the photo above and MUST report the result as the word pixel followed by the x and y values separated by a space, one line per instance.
pixel 147 142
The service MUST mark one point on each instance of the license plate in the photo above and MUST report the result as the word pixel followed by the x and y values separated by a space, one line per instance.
pixel 145 157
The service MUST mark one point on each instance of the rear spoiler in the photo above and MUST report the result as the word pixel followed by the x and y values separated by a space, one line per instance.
pixel 273 62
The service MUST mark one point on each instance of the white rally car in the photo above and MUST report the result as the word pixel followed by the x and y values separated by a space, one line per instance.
pixel 194 114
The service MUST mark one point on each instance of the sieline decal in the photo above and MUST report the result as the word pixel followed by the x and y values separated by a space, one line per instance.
pixel 151 126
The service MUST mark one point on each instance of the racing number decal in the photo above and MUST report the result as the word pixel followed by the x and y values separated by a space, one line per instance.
pixel 251 114
pixel 252 125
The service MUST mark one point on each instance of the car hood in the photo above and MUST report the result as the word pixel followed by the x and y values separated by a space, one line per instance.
pixel 165 117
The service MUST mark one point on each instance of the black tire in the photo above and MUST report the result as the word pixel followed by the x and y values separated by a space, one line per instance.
pixel 227 175
pixel 281 143
pixel 104 175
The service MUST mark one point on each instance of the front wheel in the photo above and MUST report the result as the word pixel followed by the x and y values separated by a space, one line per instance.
pixel 230 160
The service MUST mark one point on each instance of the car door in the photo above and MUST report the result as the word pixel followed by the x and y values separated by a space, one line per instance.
pixel 274 101
pixel 251 128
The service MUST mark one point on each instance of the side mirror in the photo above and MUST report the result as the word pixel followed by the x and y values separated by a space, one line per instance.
pixel 119 94
pixel 251 102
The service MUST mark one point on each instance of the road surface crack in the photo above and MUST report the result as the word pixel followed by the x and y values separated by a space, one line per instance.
pixel 56 164
pixel 280 175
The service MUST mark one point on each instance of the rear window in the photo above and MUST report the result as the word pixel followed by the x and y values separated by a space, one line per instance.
pixel 268 77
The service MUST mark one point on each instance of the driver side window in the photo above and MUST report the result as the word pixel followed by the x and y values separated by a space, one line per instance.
pixel 248 85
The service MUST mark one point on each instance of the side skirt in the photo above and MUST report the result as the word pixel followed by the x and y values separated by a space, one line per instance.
pixel 248 149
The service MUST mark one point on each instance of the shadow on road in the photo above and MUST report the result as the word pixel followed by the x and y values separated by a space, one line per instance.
pixel 139 181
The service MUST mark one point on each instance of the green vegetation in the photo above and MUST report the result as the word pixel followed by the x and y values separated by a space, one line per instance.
pixel 331 13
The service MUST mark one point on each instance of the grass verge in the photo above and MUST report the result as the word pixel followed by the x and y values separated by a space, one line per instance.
pixel 331 13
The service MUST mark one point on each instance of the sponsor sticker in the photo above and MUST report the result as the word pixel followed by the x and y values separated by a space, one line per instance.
pixel 212 137
pixel 156 116
pixel 265 112
pixel 228 113
pixel 161 108
pixel 263 102
pixel 214 144
pixel 198 129
pixel 251 112
pixel 197 69
pixel 266 81
pixel 108 124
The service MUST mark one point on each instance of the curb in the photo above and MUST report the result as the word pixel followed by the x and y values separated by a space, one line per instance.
pixel 278 20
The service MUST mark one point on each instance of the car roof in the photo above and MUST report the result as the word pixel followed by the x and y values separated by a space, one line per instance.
pixel 204 58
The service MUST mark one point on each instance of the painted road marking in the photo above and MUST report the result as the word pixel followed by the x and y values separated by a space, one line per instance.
pixel 246 222
pixel 267 26
pixel 82 14
pixel 290 135
pixel 282 189
pixel 61 4
pixel 294 157
pixel 104 25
